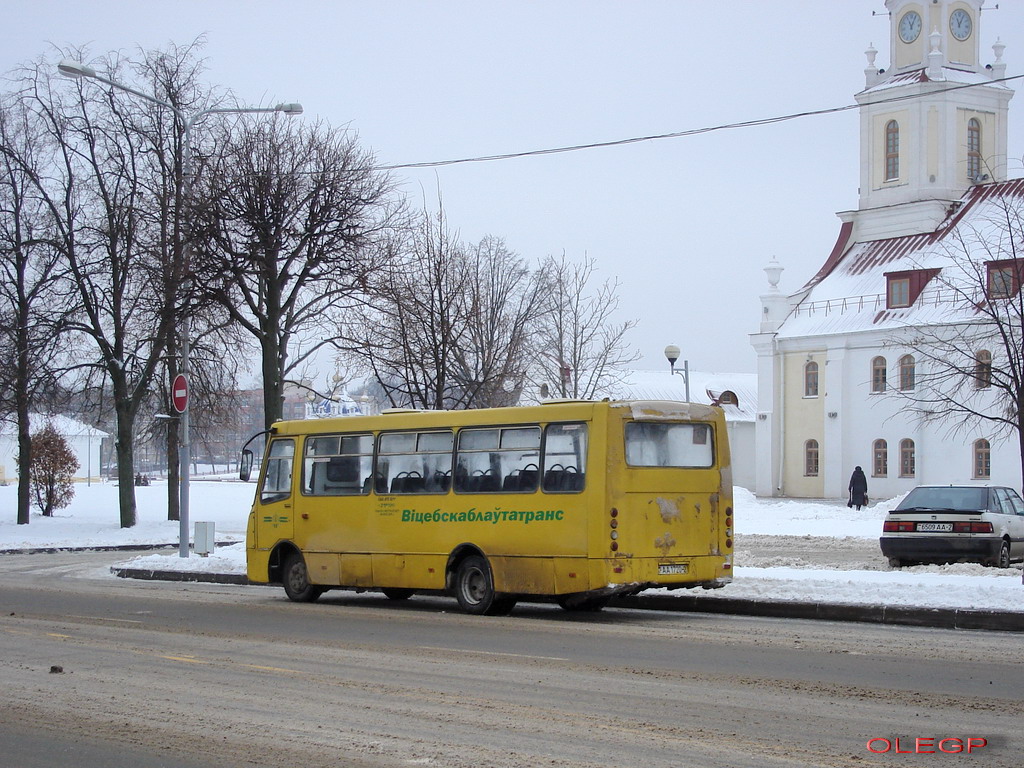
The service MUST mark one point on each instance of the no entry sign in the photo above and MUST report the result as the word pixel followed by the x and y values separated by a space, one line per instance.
pixel 179 393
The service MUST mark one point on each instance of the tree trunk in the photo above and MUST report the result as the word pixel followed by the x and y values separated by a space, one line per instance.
pixel 125 466
pixel 173 434
pixel 273 385
pixel 173 472
pixel 22 385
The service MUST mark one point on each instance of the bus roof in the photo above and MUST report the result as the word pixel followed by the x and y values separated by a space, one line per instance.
pixel 548 411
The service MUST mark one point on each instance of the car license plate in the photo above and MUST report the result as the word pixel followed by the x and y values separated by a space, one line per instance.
pixel 935 527
pixel 667 569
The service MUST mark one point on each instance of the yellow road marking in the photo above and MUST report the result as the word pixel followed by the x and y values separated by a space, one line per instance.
pixel 273 669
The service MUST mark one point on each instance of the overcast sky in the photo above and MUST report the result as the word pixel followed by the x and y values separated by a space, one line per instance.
pixel 686 224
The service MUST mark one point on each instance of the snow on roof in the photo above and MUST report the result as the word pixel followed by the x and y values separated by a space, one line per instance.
pixel 849 293
pixel 64 425
pixel 949 75
pixel 705 388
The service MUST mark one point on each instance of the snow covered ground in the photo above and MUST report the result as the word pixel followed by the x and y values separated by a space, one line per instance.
pixel 92 521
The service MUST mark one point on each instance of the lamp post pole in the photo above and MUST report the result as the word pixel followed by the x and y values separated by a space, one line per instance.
pixel 672 353
pixel 75 69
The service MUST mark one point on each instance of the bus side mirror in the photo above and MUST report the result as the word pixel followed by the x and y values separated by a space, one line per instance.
pixel 245 466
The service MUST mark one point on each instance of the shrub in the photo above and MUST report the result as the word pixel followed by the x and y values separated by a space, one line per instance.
pixel 52 466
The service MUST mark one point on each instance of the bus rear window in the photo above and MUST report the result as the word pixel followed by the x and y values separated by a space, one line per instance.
pixel 658 444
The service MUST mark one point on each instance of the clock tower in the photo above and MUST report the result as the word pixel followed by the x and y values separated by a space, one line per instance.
pixel 932 124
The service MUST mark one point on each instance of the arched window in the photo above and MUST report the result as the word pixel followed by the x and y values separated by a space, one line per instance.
pixel 974 149
pixel 880 456
pixel 728 397
pixel 811 458
pixel 878 374
pixel 907 373
pixel 982 460
pixel 892 150
pixel 811 379
pixel 908 461
pixel 983 369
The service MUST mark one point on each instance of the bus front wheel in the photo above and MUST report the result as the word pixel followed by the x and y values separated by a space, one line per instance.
pixel 295 579
pixel 474 589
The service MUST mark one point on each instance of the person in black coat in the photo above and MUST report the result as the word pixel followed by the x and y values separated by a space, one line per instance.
pixel 858 489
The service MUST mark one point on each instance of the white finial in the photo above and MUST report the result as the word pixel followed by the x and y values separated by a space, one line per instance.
pixel 997 48
pixel 871 53
pixel 871 74
pixel 935 56
pixel 774 272
pixel 998 68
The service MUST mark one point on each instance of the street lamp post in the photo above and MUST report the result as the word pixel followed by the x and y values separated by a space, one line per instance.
pixel 672 353
pixel 75 69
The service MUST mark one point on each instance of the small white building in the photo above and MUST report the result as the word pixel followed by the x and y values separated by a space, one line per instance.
pixel 736 393
pixel 84 441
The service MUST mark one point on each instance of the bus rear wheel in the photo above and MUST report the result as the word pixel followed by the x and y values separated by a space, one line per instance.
pixel 474 589
pixel 295 580
pixel 397 593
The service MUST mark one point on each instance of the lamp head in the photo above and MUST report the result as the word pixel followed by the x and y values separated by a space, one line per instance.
pixel 75 69
pixel 289 108
pixel 672 353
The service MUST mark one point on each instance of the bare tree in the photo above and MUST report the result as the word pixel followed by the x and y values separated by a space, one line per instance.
pixel 115 162
pixel 290 237
pixel 972 371
pixel 504 311
pixel 408 332
pixel 582 351
pixel 32 299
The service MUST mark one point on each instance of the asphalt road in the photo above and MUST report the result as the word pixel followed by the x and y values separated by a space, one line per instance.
pixel 118 672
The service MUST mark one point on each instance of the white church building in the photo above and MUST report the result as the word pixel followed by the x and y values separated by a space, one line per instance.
pixel 842 364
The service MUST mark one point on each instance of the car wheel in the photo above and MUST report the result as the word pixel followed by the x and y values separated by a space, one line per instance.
pixel 895 562
pixel 1002 560
pixel 295 580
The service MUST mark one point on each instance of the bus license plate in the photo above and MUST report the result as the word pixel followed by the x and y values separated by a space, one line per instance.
pixel 935 527
pixel 667 569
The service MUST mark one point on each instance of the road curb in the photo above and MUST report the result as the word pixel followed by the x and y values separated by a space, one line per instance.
pixel 936 618
pixel 149 574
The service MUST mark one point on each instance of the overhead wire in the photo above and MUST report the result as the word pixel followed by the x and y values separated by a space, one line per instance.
pixel 676 134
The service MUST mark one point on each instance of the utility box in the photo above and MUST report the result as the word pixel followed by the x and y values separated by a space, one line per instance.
pixel 203 543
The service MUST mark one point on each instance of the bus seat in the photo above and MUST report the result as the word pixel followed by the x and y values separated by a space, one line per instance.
pixel 511 481
pixel 489 481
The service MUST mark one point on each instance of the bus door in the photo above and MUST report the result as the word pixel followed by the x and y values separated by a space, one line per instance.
pixel 673 493
pixel 274 512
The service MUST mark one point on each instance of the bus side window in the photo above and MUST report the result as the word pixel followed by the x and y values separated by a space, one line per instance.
pixel 338 465
pixel 498 459
pixel 565 458
pixel 414 462
pixel 277 480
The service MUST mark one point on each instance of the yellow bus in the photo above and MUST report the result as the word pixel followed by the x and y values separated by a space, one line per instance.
pixel 579 501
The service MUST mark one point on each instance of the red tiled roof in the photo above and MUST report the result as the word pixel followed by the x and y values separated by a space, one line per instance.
pixel 879 252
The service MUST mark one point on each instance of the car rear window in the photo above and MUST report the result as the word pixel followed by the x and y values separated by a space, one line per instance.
pixel 951 499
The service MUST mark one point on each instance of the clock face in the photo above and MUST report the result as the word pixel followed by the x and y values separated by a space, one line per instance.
pixel 960 24
pixel 910 26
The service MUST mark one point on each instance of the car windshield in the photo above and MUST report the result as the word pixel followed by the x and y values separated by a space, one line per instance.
pixel 947 499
